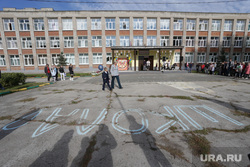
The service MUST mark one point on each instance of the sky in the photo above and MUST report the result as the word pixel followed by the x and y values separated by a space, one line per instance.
pixel 216 6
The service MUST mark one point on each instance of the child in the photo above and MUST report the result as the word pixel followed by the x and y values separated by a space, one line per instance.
pixel 62 74
pixel 105 77
pixel 53 73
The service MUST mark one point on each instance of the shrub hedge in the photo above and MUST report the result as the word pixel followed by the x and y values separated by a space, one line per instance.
pixel 12 79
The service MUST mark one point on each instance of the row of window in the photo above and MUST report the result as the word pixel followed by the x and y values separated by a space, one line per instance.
pixel 81 23
pixel 97 58
pixel 124 41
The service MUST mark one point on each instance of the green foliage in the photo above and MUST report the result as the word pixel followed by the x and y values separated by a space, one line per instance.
pixel 12 79
pixel 61 60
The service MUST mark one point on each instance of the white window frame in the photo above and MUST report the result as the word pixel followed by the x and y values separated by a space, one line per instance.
pixel 226 42
pixel 189 41
pixel 67 24
pixel 70 58
pixel 216 25
pixel 151 40
pixel 177 40
pixel 38 25
pixel 138 23
pixel 55 58
pixel 247 57
pixel 110 23
pixel 178 24
pixel 96 24
pixel 238 41
pixel 214 42
pixel 97 58
pixel 82 41
pixel 240 25
pixel 138 40
pixel 189 57
pixel 12 43
pixel 2 60
pixel 191 23
pixel 42 60
pixel 177 57
pixel 14 60
pixel 24 24
pixel 1 43
pixel 236 57
pixel 110 41
pixel 249 26
pixel 201 57
pixel 124 40
pixel 28 60
pixel 228 25
pixel 164 39
pixel 83 58
pixel 164 24
pixel 81 24
pixel 9 24
pixel 54 42
pixel 248 42
pixel 40 42
pixel 108 58
pixel 124 23
pixel 96 41
pixel 53 24
pixel 202 42
pixel 151 24
pixel 26 42
pixel 203 25
pixel 213 57
pixel 68 42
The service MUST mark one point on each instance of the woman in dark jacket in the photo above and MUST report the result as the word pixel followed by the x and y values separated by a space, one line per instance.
pixel 71 71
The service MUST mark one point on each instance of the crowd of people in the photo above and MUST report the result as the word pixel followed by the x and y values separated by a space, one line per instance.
pixel 53 72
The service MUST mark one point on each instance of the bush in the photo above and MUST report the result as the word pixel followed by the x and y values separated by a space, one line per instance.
pixel 12 79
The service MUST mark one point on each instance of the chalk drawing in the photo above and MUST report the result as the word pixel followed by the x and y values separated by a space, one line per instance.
pixel 116 126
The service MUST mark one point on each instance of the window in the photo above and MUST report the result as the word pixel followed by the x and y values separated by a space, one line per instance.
pixel 138 24
pixel 216 25
pixel 214 42
pixel 164 40
pixel 247 57
pixel 165 24
pixel 14 60
pixel 177 57
pixel 110 24
pixel 40 42
pixel 178 23
pixel 236 57
pixel 26 43
pixel 67 24
pixel 248 42
pixel 177 41
pixel 203 25
pixel 151 24
pixel 151 40
pixel 213 57
pixel 54 42
pixel 97 58
pixel 28 60
pixel 201 58
pixel 249 26
pixel 9 24
pixel 55 58
pixel 68 42
pixel 53 24
pixel 189 41
pixel 38 24
pixel 96 24
pixel 70 58
pixel 109 58
pixel 11 43
pixel 96 41
pixel 240 25
pixel 82 41
pixel 1 43
pixel 238 41
pixel 189 57
pixel 42 60
pixel 2 60
pixel 124 24
pixel 81 24
pixel 138 40
pixel 83 58
pixel 202 42
pixel 191 25
pixel 24 24
pixel 110 41
pixel 228 25
pixel 124 40
pixel 226 41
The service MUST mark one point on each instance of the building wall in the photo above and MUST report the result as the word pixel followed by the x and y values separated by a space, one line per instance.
pixel 48 13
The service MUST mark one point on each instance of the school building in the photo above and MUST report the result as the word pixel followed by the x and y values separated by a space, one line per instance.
pixel 30 38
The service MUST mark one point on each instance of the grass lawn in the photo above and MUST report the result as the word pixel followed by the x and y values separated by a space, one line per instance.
pixel 28 84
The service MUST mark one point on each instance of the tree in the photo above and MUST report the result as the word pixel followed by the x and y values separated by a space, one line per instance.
pixel 62 60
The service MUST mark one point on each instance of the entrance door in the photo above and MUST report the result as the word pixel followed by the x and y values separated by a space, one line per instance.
pixel 151 59
pixel 141 59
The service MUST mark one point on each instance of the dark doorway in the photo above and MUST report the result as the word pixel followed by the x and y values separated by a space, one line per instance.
pixel 143 60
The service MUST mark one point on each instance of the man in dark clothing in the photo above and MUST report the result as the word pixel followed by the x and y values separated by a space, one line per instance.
pixel 190 67
pixel 47 71
pixel 105 77
pixel 1 87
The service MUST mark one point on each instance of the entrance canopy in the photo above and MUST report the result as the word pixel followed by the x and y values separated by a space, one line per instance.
pixel 136 51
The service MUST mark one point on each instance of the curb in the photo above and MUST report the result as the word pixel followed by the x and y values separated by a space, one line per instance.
pixel 23 89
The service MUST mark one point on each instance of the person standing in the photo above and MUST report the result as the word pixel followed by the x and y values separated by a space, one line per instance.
pixel 190 65
pixel 62 74
pixel 71 72
pixel 47 71
pixel 53 73
pixel 105 78
pixel 115 75
pixel 247 71
pixel 148 65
